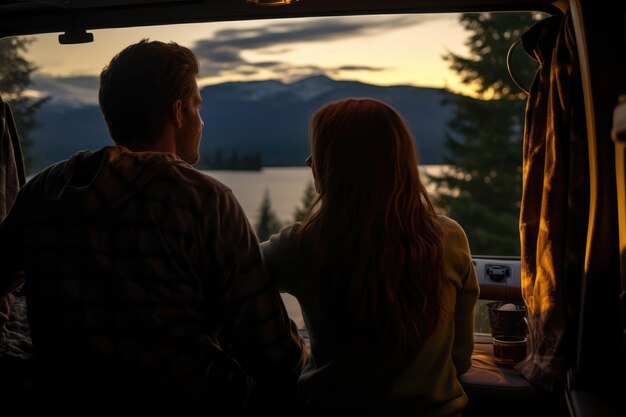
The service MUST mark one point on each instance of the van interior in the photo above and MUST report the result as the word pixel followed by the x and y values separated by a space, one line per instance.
pixel 550 224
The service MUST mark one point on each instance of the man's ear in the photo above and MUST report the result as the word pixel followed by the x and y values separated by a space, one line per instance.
pixel 177 110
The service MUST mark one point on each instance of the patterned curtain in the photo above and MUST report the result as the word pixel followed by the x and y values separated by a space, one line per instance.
pixel 555 202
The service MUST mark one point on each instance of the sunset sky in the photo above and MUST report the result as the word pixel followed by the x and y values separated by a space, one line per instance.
pixel 383 50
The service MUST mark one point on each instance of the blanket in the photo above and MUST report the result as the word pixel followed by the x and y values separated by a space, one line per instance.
pixel 16 353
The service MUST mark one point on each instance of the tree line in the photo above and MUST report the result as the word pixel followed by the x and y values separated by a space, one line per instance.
pixel 218 160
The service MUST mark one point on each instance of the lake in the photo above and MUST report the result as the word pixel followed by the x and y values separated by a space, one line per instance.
pixel 286 186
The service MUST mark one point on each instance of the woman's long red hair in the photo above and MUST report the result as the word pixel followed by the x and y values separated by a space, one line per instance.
pixel 377 235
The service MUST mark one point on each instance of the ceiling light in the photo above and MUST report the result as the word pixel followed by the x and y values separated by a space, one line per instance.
pixel 270 2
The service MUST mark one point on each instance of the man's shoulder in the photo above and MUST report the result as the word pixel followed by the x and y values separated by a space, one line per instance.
pixel 55 172
pixel 165 167
pixel 196 178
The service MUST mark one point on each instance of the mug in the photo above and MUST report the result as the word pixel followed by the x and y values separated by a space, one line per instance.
pixel 509 350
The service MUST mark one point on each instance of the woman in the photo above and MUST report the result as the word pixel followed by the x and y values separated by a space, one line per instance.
pixel 387 286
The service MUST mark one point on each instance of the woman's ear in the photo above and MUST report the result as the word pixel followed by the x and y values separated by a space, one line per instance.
pixel 177 110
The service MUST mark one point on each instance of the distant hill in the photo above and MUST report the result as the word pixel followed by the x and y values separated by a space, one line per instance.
pixel 270 118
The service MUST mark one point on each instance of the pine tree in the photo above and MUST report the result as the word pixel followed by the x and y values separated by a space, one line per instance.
pixel 15 78
pixel 481 188
pixel 307 201
pixel 233 161
pixel 267 223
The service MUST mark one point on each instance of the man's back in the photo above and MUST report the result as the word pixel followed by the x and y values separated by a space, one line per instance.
pixel 139 271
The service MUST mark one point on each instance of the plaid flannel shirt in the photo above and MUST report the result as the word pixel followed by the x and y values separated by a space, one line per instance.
pixel 139 269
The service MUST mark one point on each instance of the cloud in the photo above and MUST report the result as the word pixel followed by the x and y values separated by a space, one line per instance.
pixel 360 68
pixel 309 31
pixel 81 88
pixel 223 52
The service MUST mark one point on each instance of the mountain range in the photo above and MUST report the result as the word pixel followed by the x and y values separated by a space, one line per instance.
pixel 267 118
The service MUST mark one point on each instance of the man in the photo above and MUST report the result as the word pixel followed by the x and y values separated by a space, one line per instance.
pixel 144 280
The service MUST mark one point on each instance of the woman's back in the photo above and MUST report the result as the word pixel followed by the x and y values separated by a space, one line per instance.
pixel 351 374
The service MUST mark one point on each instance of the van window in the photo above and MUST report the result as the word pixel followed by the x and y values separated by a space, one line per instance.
pixel 261 80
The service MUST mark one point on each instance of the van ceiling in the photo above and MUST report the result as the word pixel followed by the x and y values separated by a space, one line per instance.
pixel 87 4
pixel 48 16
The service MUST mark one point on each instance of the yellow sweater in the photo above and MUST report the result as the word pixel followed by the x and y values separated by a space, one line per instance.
pixel 358 379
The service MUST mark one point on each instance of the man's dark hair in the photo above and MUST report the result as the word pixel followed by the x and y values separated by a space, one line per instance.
pixel 139 86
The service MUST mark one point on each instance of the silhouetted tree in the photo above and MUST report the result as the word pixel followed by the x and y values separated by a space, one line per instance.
pixel 218 162
pixel 481 187
pixel 307 201
pixel 233 161
pixel 267 222
pixel 15 78
pixel 250 161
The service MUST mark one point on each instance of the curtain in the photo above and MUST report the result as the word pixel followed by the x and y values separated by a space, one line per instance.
pixel 11 178
pixel 555 202
pixel 9 173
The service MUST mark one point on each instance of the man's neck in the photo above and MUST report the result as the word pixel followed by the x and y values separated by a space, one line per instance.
pixel 162 144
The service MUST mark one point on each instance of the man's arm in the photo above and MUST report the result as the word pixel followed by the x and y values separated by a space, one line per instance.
pixel 262 337
pixel 11 276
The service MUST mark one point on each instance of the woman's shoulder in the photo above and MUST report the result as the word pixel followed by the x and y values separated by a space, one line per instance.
pixel 285 240
pixel 287 233
pixel 456 246
pixel 285 260
pixel 452 229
